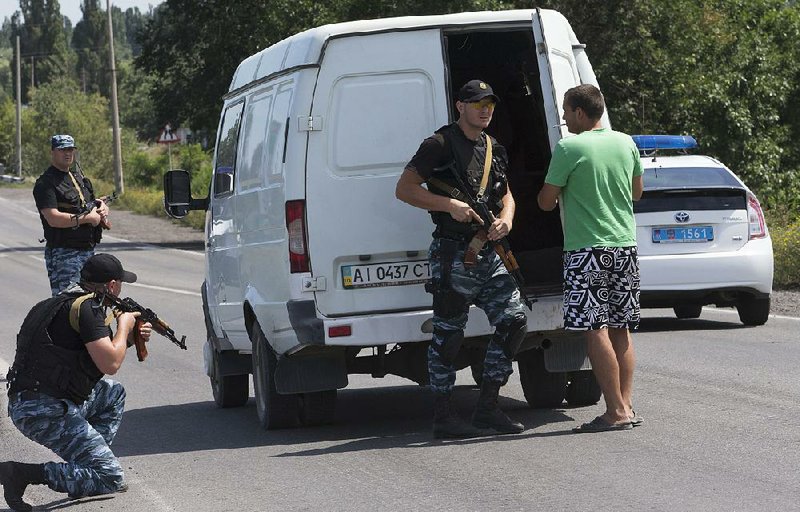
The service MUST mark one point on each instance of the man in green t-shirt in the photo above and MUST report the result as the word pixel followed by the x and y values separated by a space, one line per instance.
pixel 598 175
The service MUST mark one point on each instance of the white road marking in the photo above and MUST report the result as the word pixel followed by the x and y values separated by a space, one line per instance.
pixel 23 210
pixel 164 289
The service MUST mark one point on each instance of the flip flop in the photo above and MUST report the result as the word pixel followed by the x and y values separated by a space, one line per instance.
pixel 636 420
pixel 600 425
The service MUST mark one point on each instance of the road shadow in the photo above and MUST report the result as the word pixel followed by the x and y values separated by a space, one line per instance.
pixel 672 324
pixel 366 419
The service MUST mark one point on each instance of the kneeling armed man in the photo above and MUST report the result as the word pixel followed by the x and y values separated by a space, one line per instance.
pixel 58 397
pixel 465 268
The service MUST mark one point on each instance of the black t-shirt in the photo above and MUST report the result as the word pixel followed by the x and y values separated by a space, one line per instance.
pixel 432 153
pixel 91 322
pixel 55 189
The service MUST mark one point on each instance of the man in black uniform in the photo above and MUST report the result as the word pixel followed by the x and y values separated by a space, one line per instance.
pixel 57 395
pixel 71 217
pixel 464 267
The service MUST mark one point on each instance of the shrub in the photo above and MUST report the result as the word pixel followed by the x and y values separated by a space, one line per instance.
pixel 785 242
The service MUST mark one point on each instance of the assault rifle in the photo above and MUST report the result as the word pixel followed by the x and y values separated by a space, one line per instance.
pixel 89 205
pixel 128 305
pixel 501 246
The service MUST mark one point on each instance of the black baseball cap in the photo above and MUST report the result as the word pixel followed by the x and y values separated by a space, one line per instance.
pixel 476 90
pixel 102 268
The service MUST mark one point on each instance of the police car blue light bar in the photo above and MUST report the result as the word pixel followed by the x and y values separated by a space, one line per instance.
pixel 651 142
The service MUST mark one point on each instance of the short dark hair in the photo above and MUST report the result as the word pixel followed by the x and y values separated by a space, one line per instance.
pixel 587 97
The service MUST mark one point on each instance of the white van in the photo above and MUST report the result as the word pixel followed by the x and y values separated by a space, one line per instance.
pixel 314 270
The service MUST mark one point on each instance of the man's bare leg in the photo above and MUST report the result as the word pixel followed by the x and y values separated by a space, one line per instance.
pixel 626 360
pixel 607 372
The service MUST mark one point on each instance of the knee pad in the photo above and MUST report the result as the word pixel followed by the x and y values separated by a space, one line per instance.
pixel 448 303
pixel 450 346
pixel 510 336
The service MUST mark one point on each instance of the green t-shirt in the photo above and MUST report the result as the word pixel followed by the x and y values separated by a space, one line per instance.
pixel 595 171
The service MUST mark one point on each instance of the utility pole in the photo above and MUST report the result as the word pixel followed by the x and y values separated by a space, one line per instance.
pixel 19 115
pixel 114 107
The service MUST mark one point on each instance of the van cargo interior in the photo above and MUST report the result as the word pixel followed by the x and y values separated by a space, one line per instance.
pixel 506 59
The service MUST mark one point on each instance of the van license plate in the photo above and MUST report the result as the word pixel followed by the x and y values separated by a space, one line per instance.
pixel 683 234
pixel 385 274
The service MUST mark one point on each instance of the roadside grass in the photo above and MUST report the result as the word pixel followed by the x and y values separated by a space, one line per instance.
pixel 151 202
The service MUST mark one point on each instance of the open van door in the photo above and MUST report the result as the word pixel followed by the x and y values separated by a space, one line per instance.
pixel 562 65
pixel 377 97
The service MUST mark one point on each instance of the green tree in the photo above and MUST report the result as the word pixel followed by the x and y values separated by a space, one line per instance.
pixel 724 71
pixel 136 110
pixel 43 43
pixel 8 130
pixel 90 41
pixel 60 107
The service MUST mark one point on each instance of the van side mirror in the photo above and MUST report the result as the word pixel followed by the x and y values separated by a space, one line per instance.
pixel 178 195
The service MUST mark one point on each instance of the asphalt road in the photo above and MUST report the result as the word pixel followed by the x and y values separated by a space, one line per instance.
pixel 721 431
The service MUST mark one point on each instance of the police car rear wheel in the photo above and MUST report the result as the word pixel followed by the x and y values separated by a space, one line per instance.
pixel 688 311
pixel 753 311
pixel 274 410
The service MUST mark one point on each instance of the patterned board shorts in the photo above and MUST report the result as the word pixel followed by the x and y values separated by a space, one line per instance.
pixel 601 288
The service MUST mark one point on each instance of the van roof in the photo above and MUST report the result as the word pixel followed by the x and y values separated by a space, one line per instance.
pixel 305 48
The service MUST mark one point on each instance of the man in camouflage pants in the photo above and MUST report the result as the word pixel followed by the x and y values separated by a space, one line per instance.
pixel 464 267
pixel 71 216
pixel 57 395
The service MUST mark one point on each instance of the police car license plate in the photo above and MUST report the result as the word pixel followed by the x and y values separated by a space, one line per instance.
pixel 385 274
pixel 683 234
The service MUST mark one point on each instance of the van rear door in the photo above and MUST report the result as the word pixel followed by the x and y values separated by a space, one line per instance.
pixel 377 97
pixel 562 65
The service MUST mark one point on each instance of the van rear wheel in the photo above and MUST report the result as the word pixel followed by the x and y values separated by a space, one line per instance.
pixel 274 410
pixel 318 408
pixel 542 389
pixel 229 390
pixel 582 389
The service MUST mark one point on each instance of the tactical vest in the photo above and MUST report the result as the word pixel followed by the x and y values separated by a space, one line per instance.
pixel 41 366
pixel 84 236
pixel 471 172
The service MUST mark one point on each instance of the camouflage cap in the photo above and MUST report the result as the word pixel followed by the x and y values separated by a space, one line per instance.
pixel 62 142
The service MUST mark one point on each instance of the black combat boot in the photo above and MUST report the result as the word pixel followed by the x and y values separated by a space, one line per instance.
pixel 489 416
pixel 447 424
pixel 15 477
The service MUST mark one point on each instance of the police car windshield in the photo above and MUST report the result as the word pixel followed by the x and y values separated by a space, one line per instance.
pixel 688 177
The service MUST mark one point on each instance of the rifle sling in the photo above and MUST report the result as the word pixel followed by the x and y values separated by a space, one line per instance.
pixel 487 164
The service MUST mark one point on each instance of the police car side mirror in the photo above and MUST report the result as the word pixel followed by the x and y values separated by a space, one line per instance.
pixel 178 195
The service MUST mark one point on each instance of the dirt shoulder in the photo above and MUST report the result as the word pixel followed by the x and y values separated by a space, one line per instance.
pixel 129 226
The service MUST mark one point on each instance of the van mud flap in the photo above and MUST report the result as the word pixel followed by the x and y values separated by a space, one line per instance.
pixel 321 371
pixel 567 354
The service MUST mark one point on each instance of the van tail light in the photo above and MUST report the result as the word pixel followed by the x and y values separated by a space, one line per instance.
pixel 296 227
pixel 755 218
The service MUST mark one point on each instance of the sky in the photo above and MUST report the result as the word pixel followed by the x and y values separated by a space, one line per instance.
pixel 72 8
